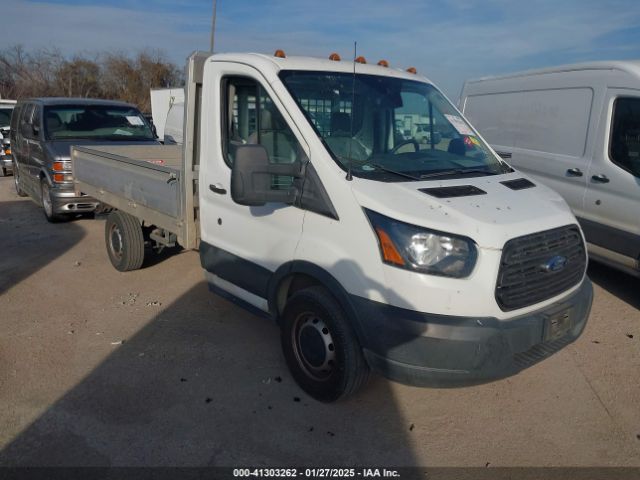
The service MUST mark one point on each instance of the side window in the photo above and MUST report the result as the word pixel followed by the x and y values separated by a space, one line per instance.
pixel 36 120
pixel 624 143
pixel 251 117
pixel 25 121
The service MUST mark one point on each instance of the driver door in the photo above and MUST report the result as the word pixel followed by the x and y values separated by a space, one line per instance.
pixel 242 246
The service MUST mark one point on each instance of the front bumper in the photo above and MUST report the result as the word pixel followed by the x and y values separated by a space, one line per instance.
pixel 66 201
pixel 445 351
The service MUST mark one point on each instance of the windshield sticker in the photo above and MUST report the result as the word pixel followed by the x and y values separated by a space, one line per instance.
pixel 459 124
pixel 134 120
pixel 471 141
pixel 368 168
pixel 122 132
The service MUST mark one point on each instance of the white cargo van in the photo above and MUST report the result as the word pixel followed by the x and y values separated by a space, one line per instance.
pixel 162 101
pixel 433 264
pixel 575 128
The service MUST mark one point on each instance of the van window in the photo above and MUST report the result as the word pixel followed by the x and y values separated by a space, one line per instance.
pixel 5 116
pixel 251 117
pixel 624 144
pixel 25 120
pixel 96 122
pixel 36 120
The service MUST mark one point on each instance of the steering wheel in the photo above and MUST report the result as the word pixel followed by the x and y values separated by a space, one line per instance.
pixel 414 142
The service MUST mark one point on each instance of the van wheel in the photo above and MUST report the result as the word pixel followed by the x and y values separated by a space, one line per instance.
pixel 125 241
pixel 320 347
pixel 16 182
pixel 47 203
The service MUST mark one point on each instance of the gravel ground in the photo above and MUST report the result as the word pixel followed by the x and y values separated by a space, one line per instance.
pixel 149 368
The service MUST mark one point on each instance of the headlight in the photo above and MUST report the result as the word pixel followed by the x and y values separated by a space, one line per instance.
pixel 419 249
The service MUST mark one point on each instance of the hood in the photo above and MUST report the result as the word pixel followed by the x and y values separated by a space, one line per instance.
pixel 490 219
pixel 61 149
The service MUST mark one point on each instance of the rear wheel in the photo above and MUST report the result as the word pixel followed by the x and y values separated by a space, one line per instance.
pixel 320 347
pixel 125 241
pixel 16 181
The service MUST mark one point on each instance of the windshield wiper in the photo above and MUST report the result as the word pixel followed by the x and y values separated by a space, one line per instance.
pixel 456 171
pixel 400 174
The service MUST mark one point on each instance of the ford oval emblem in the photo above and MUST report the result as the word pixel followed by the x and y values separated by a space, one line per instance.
pixel 555 264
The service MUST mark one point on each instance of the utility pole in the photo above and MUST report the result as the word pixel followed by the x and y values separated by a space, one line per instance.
pixel 213 24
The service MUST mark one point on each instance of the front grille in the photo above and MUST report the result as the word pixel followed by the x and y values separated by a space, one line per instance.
pixel 523 279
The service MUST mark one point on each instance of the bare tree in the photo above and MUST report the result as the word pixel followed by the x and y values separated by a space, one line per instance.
pixel 113 75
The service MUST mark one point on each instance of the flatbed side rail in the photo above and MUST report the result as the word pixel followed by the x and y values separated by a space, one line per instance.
pixel 148 191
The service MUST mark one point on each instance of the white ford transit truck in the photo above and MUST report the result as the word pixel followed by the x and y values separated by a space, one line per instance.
pixel 433 263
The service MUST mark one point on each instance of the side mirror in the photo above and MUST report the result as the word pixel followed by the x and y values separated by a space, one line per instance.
pixel 251 177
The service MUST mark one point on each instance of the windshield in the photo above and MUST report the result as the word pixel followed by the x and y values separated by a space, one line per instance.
pixel 390 129
pixel 5 116
pixel 99 122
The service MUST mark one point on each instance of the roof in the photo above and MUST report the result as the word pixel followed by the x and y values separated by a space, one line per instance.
pixel 629 66
pixel 78 101
pixel 276 64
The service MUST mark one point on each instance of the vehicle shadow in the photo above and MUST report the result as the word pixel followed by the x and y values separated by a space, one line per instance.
pixel 620 284
pixel 205 384
pixel 28 242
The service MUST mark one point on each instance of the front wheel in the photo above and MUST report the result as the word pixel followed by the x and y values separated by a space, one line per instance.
pixel 320 347
pixel 125 241
pixel 47 203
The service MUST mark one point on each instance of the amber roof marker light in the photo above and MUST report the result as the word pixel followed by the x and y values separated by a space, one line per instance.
pixel 361 59
pixel 280 54
pixel 412 70
pixel 335 57
pixel 383 63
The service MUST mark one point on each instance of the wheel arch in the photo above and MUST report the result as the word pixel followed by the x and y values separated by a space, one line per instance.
pixel 299 274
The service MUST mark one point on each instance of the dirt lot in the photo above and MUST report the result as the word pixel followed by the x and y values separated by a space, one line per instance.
pixel 149 368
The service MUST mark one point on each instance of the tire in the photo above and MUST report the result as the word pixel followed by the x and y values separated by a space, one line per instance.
pixel 320 347
pixel 124 240
pixel 16 181
pixel 47 204
pixel 3 172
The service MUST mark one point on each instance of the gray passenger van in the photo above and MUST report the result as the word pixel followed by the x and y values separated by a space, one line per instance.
pixel 42 133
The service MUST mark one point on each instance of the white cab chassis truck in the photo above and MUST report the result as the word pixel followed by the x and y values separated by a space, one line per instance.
pixel 434 264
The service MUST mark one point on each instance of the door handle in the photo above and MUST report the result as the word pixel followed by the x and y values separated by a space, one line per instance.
pixel 217 188
pixel 574 172
pixel 600 178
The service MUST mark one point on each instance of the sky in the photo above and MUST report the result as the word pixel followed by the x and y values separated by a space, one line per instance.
pixel 446 40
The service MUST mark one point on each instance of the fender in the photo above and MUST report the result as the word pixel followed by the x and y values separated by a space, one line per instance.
pixel 325 279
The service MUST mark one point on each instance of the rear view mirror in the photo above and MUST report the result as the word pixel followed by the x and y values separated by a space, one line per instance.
pixel 251 177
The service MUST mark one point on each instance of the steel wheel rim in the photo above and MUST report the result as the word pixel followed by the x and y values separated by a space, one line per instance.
pixel 46 200
pixel 314 346
pixel 115 241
